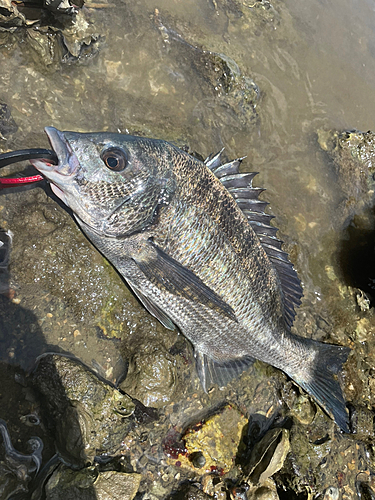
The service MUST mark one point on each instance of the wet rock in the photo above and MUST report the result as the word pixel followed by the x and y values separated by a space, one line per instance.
pixel 55 254
pixel 89 417
pixel 265 492
pixel 362 422
pixel 30 12
pixel 353 159
pixel 190 492
pixel 357 145
pixel 9 483
pixel 10 17
pixel 7 125
pixel 303 410
pixel 62 6
pixel 43 45
pixel 216 487
pixel 152 376
pixel 319 450
pixel 56 30
pixel 363 300
pixel 90 484
pixel 76 43
pixel 80 40
pixel 212 444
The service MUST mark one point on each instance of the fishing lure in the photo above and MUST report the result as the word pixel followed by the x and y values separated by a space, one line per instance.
pixel 23 155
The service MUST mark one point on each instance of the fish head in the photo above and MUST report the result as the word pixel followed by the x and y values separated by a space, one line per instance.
pixel 113 183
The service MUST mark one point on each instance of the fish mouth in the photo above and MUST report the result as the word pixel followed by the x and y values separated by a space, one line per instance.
pixel 66 166
pixel 67 161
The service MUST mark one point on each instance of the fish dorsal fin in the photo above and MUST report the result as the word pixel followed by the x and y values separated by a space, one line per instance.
pixel 246 196
pixel 213 161
pixel 221 170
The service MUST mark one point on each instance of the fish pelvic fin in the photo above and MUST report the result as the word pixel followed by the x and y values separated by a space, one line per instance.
pixel 213 372
pixel 323 385
pixel 153 308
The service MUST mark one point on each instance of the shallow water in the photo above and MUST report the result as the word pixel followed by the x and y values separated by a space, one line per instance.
pixel 160 69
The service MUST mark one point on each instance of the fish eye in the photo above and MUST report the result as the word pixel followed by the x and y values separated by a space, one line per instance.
pixel 114 158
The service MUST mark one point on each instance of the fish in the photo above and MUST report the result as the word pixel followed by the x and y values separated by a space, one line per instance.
pixel 193 241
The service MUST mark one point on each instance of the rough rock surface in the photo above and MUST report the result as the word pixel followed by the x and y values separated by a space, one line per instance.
pixel 89 416
pixel 89 484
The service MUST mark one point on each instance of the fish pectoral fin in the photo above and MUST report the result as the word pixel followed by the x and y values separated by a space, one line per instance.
pixel 168 274
pixel 213 372
pixel 153 309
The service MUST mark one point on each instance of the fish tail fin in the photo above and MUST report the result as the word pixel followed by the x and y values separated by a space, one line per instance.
pixel 323 384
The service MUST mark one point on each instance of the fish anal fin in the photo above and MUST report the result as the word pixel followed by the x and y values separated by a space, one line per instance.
pixel 167 273
pixel 213 372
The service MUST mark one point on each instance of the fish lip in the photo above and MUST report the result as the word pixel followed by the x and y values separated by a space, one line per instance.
pixel 63 151
pixel 67 161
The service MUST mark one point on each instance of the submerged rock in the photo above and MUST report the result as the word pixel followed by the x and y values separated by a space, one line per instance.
pixel 89 416
pixel 353 160
pixel 55 31
pixel 7 125
pixel 10 17
pixel 303 409
pixel 90 484
pixel 226 94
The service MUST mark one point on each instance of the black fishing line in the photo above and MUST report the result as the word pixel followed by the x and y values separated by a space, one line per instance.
pixel 27 154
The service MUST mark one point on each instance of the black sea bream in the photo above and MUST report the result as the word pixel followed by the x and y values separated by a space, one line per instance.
pixel 193 242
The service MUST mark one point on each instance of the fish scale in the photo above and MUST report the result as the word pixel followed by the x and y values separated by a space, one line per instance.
pixel 192 240
pixel 232 223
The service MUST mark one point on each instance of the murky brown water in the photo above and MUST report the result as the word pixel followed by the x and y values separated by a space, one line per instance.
pixel 260 79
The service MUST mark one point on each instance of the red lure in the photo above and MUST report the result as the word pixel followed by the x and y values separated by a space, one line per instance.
pixel 7 183
pixel 22 155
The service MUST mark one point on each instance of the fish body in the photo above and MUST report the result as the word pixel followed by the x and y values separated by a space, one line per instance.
pixel 192 240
